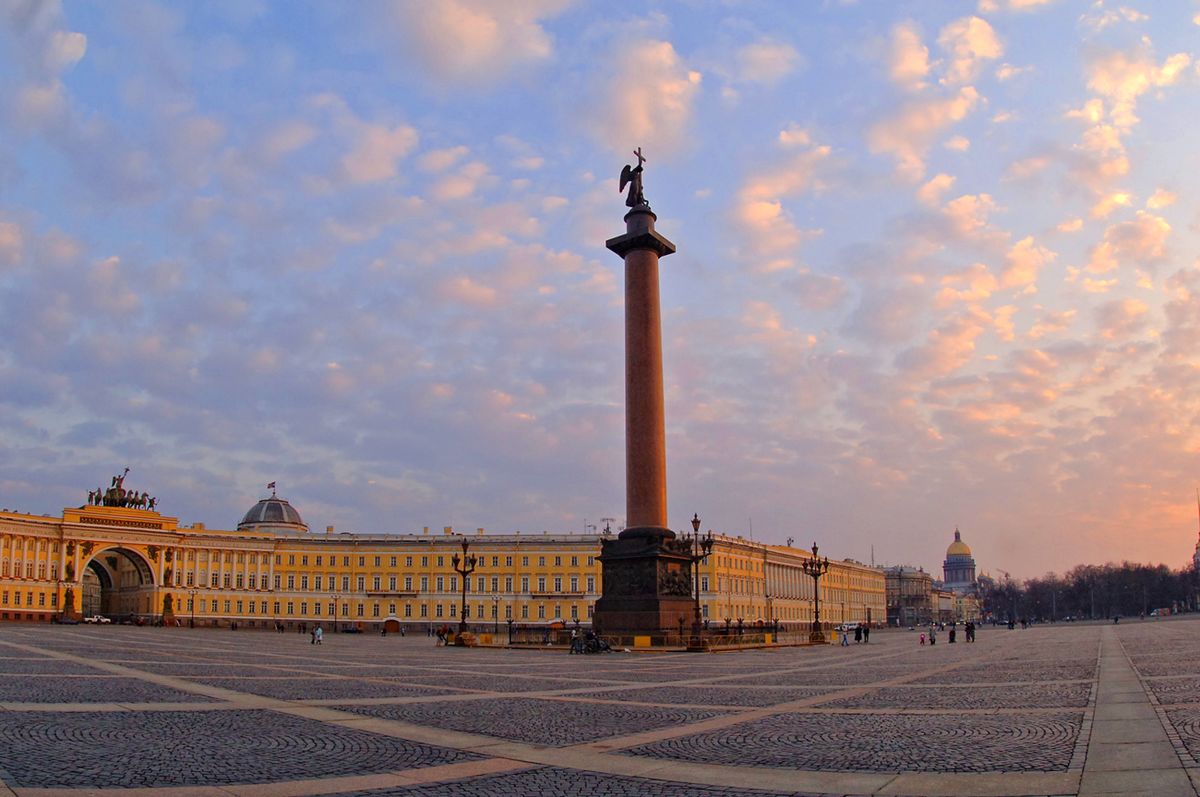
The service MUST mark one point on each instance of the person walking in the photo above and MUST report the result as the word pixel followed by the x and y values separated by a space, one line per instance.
pixel 845 637
pixel 318 634
pixel 952 634
pixel 858 633
pixel 932 635
pixel 312 637
pixel 866 633
pixel 922 637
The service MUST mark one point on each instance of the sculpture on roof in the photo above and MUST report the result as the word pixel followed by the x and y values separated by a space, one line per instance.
pixel 117 495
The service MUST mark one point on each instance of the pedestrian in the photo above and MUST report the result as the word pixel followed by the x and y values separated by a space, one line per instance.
pixel 922 637
pixel 858 633
pixel 866 633
pixel 952 632
pixel 845 637
pixel 318 634
pixel 312 637
pixel 932 635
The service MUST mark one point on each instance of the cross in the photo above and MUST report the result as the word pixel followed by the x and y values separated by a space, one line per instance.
pixel 638 153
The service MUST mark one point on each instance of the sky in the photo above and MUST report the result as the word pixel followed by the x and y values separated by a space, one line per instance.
pixel 937 266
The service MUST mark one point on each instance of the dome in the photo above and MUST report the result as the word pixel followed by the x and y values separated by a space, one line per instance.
pixel 958 547
pixel 273 512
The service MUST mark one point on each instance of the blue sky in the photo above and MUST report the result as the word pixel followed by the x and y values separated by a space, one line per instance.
pixel 937 265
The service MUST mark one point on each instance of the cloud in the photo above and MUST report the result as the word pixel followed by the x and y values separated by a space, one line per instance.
pixel 908 58
pixel 1123 77
pixel 1100 17
pixel 1024 261
pixel 968 43
pixel 931 192
pixel 772 238
pixel 1141 241
pixel 1108 204
pixel 948 349
pixel 472 41
pixel 1161 198
pixel 1120 318
pixel 993 6
pixel 439 160
pixel 958 143
pixel 648 101
pixel 908 135
pixel 1070 225
pixel 375 148
pixel 12 243
pixel 1052 321
pixel 766 62
pixel 1008 71
pixel 973 284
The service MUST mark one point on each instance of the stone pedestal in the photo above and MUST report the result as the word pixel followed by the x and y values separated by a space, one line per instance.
pixel 647 584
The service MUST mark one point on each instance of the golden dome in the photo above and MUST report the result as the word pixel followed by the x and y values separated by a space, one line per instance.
pixel 958 547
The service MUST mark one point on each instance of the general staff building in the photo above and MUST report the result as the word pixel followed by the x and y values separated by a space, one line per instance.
pixel 137 564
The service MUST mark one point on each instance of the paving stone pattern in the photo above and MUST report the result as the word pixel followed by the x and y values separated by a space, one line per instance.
pixel 1015 702
pixel 159 749
pixel 558 782
pixel 902 743
pixel 44 689
pixel 546 722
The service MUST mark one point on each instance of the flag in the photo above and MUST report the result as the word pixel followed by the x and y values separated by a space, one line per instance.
pixel 271 486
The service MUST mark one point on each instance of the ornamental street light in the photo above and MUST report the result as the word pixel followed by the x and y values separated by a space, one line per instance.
pixel 467 567
pixel 335 597
pixel 701 550
pixel 495 614
pixel 816 568
pixel 192 606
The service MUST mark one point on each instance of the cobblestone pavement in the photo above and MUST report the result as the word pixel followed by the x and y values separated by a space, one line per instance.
pixel 1013 714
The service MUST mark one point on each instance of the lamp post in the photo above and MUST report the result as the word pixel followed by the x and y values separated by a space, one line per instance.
pixel 192 604
pixel 815 568
pixel 701 549
pixel 465 569
pixel 495 614
pixel 335 596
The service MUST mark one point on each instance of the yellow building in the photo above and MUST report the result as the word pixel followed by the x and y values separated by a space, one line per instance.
pixel 138 564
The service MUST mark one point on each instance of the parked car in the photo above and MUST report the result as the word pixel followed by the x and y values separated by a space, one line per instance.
pixel 97 618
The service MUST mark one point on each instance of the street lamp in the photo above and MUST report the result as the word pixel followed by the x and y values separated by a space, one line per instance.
pixel 192 604
pixel 495 614
pixel 701 549
pixel 815 568
pixel 336 597
pixel 465 570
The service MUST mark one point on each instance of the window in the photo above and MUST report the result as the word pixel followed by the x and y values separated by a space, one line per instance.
pixel 239 607
pixel 704 583
pixel 239 580
pixel 541 584
pixel 424 610
pixel 318 561
pixel 359 610
pixel 228 579
pixel 216 580
pixel 317 609
pixel 424 561
pixel 591 583
pixel 524 561
pixel 557 584
pixel 408 561
pixel 508 561
pixel 277 577
pixel 392 563
pixel 525 584
pixel 304 583
pixel 574 583
pixel 291 608
pixel 214 607
pixel 275 607
pixel 437 610
pixel 495 584
pixel 375 583
pixel 495 561
pixel 378 559
pixel 291 559
pixel 508 583
pixel 362 583
pixel 408 610
pixel 574 612
pixel 525 612
pixel 424 583
pixel 440 562
pixel 541 561
pixel 408 583
pixel 303 607
pixel 480 584
pixel 453 610
pixel 317 583
pixel 362 561
pixel 454 584
pixel 558 561
pixel 291 582
pixel 345 583
pixel 541 611
pixel 392 585
pixel 304 561
pixel 253 580
pixel 441 584
pixel 574 561
pixel 392 609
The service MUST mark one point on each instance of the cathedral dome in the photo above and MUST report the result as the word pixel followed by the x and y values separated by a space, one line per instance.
pixel 958 547
pixel 272 513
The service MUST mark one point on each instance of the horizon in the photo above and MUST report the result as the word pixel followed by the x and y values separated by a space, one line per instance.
pixel 936 266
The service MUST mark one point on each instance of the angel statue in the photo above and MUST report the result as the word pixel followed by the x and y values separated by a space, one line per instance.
pixel 632 176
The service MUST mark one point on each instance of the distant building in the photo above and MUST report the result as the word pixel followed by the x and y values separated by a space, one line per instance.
pixel 958 571
pixel 909 596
